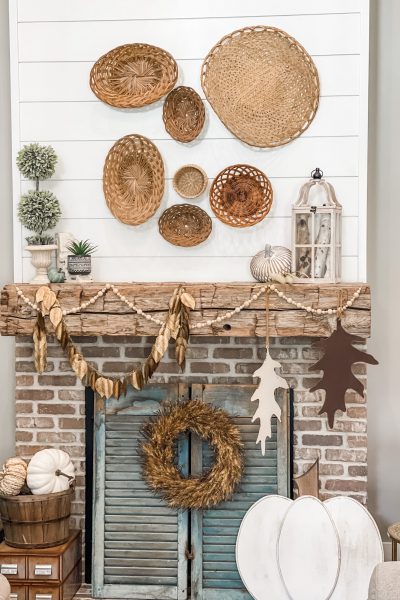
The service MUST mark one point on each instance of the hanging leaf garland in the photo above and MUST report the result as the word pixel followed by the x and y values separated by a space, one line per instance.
pixel 177 322
pixel 339 356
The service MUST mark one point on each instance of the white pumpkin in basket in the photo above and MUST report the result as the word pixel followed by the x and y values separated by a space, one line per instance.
pixel 50 471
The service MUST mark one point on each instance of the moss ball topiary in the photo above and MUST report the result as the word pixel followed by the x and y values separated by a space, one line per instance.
pixel 37 162
pixel 39 211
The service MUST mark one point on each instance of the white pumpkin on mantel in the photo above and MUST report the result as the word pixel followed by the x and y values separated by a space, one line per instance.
pixel 50 471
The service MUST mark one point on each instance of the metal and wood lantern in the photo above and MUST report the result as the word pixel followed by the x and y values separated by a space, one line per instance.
pixel 316 232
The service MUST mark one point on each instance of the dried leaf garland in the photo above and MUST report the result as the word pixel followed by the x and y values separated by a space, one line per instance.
pixel 183 335
pixel 109 386
pixel 188 300
pixel 336 364
pixel 40 343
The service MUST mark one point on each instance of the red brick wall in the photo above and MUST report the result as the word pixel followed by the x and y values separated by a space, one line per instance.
pixel 50 407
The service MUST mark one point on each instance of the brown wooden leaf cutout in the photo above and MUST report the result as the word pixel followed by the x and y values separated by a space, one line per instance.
pixel 79 365
pixel 339 356
pixel 265 394
pixel 40 342
pixel 188 300
pixel 55 316
pixel 104 387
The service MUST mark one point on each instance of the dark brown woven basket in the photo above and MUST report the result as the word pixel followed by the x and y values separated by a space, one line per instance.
pixel 133 179
pixel 241 196
pixel 133 75
pixel 185 225
pixel 183 114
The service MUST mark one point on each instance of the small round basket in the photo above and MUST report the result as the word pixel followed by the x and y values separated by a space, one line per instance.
pixel 133 75
pixel 185 225
pixel 133 179
pixel 241 196
pixel 183 114
pixel 190 181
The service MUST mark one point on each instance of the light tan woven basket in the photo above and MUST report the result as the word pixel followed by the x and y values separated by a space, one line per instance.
pixel 262 84
pixel 185 225
pixel 241 196
pixel 133 179
pixel 183 114
pixel 133 75
pixel 190 181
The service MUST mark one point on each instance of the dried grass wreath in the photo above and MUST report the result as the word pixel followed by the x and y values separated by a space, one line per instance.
pixel 164 477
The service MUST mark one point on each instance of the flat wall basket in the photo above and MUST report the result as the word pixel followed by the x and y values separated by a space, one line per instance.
pixel 133 179
pixel 262 84
pixel 185 225
pixel 133 75
pixel 183 114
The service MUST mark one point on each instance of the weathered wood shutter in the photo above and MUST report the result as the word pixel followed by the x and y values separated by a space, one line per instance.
pixel 214 532
pixel 140 542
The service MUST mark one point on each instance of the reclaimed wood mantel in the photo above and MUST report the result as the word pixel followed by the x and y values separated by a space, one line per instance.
pixel 110 316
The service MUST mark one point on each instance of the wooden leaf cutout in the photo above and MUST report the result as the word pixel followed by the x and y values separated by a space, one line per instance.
pixel 55 316
pixel 265 394
pixel 104 387
pixel 339 356
pixel 79 365
pixel 40 294
pixel 188 300
pixel 40 342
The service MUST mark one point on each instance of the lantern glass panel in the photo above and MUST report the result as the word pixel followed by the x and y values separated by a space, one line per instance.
pixel 303 228
pixel 303 262
pixel 322 229
pixel 322 262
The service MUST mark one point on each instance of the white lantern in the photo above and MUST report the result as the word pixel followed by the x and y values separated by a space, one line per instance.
pixel 316 232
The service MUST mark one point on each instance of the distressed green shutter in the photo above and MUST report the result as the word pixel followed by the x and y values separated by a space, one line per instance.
pixel 140 542
pixel 214 532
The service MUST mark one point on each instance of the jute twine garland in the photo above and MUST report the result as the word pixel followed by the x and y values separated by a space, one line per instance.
pixel 176 326
pixel 164 477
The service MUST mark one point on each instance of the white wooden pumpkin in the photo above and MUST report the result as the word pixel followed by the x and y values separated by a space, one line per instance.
pixel 13 476
pixel 274 263
pixel 50 471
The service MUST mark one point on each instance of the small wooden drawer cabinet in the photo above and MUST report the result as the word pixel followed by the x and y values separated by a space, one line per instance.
pixel 43 573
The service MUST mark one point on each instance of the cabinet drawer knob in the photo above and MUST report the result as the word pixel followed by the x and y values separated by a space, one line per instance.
pixel 8 569
pixel 43 569
pixel 43 596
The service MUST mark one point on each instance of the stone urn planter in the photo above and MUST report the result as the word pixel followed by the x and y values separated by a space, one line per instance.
pixel 41 259
pixel 79 265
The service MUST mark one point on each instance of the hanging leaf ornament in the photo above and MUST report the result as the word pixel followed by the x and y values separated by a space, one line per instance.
pixel 265 394
pixel 339 356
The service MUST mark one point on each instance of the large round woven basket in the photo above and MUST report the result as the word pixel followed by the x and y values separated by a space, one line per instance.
pixel 133 179
pixel 190 181
pixel 241 196
pixel 133 75
pixel 37 521
pixel 185 225
pixel 262 84
pixel 183 114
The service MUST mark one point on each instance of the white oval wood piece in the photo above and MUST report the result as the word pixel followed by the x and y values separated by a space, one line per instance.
pixel 308 551
pixel 360 544
pixel 256 548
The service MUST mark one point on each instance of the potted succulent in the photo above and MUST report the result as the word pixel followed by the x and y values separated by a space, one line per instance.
pixel 80 259
pixel 39 210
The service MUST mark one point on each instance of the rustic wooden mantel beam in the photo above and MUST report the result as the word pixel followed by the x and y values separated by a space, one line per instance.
pixel 110 316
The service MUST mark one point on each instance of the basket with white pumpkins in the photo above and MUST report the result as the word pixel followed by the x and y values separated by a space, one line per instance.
pixel 35 499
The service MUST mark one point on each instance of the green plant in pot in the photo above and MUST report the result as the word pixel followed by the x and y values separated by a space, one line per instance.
pixel 38 210
pixel 80 259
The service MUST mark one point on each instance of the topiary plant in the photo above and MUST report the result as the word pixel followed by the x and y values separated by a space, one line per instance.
pixel 37 162
pixel 38 210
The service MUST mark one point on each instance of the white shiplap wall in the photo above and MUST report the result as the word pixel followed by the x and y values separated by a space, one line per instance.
pixel 53 46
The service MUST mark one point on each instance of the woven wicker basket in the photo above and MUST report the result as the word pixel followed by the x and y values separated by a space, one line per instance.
pixel 190 181
pixel 133 179
pixel 183 114
pixel 262 84
pixel 241 196
pixel 185 225
pixel 133 75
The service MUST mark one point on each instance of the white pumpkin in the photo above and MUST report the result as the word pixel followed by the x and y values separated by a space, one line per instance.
pixel 274 263
pixel 50 471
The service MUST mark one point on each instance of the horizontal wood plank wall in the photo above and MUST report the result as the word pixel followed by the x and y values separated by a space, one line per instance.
pixel 54 46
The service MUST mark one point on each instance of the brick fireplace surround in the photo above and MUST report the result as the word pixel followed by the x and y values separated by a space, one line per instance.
pixel 50 408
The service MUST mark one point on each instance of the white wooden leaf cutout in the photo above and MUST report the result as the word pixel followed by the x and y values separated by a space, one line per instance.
pixel 265 394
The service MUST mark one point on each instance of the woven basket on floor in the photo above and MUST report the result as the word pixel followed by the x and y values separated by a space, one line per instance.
pixel 185 225
pixel 262 84
pixel 133 179
pixel 133 75
pixel 190 181
pixel 241 196
pixel 183 114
